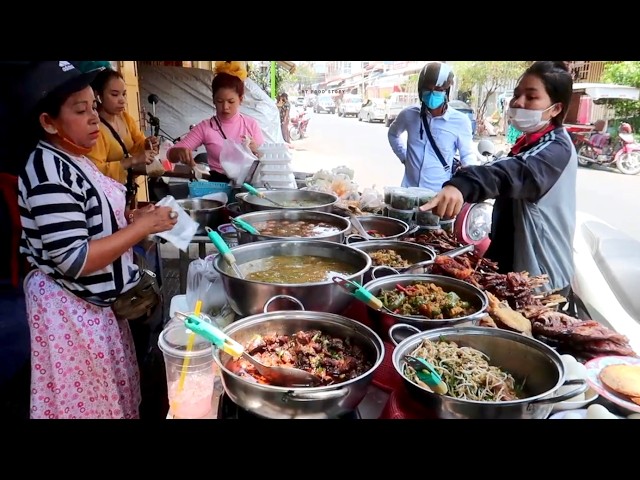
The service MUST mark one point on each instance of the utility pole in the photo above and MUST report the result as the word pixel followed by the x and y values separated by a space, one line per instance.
pixel 273 80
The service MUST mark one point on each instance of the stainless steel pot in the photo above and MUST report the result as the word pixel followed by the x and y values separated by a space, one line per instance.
pixel 465 291
pixel 208 213
pixel 248 297
pixel 342 224
pixel 414 253
pixel 390 228
pixel 527 359
pixel 319 201
pixel 314 402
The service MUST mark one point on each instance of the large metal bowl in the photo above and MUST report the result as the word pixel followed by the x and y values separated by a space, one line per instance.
pixel 313 402
pixel 414 253
pixel 319 201
pixel 248 297
pixel 532 363
pixel 384 320
pixel 208 213
pixel 342 224
pixel 390 228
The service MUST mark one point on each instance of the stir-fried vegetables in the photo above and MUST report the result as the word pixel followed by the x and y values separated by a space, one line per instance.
pixel 426 299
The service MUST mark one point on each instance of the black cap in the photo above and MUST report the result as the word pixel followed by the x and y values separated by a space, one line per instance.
pixel 45 78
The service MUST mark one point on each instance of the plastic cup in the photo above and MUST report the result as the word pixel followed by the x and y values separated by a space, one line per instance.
pixel 191 396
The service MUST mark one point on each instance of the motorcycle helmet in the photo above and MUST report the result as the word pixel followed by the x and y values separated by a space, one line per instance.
pixel 486 148
pixel 625 128
pixel 435 74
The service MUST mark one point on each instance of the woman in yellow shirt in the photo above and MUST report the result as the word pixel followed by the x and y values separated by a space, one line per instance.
pixel 108 154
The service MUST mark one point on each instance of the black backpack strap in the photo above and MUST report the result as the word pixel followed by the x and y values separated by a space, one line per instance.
pixel 445 165
pixel 132 187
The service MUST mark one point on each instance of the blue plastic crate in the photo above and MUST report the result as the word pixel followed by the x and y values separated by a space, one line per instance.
pixel 200 188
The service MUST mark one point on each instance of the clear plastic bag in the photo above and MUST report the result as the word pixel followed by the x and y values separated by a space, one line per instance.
pixel 236 160
pixel 155 168
pixel 205 284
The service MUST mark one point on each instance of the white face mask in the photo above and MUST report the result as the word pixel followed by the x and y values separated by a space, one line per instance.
pixel 527 121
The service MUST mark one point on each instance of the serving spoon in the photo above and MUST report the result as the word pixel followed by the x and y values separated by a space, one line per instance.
pixel 355 221
pixel 224 250
pixel 259 194
pixel 360 293
pixel 278 376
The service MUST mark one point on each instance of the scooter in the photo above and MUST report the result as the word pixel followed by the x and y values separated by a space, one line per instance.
pixel 607 272
pixel 597 149
pixel 298 127
pixel 473 223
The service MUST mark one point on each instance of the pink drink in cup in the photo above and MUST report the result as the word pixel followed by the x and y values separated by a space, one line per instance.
pixel 193 399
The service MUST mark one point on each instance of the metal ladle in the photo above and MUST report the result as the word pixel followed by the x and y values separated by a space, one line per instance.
pixel 258 194
pixel 224 250
pixel 278 376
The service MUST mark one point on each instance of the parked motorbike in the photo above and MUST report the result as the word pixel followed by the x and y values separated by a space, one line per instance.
pixel 607 272
pixel 473 223
pixel 599 149
pixel 487 152
pixel 298 125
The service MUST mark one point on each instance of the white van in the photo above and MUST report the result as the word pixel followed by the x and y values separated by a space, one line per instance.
pixel 396 103
pixel 350 106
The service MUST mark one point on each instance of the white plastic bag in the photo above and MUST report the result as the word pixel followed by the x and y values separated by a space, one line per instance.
pixel 236 160
pixel 205 284
pixel 182 232
pixel 155 168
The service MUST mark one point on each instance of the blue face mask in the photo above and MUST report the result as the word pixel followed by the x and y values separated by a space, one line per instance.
pixel 433 99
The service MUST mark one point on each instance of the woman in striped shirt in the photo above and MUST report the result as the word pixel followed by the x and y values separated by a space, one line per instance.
pixel 79 243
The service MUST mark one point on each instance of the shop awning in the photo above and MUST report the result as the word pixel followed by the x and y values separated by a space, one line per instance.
pixel 599 91
pixel 334 84
pixel 289 66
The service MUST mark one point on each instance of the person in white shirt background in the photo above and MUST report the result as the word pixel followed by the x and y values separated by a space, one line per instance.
pixel 432 122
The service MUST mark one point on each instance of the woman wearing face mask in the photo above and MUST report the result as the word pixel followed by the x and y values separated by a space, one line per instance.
pixel 534 186
pixel 228 123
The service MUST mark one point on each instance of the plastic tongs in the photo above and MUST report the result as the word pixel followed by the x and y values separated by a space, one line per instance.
pixel 224 250
pixel 427 374
pixel 255 192
pixel 360 293
pixel 280 376
pixel 238 222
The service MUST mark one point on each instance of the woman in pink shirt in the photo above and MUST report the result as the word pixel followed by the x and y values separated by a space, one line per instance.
pixel 228 123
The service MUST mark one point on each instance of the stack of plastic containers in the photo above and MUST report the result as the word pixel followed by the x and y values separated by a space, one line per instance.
pixel 275 167
pixel 404 204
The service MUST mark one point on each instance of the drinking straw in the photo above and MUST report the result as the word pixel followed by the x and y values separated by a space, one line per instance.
pixel 185 363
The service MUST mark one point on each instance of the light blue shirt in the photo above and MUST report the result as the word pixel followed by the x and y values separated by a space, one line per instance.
pixel 451 132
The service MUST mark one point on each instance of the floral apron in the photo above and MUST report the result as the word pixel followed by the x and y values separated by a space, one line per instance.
pixel 83 361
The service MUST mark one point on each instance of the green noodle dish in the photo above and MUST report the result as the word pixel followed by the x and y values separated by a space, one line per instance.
pixel 466 371
pixel 299 269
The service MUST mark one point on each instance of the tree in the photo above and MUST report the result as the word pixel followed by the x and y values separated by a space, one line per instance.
pixel 261 74
pixel 486 78
pixel 303 77
pixel 624 73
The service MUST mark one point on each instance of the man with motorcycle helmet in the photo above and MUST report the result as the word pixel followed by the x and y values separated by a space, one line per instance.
pixel 435 133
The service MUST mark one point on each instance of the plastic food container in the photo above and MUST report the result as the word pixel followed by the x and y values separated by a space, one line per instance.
pixel 447 225
pixel 403 199
pixel 424 195
pixel 426 219
pixel 404 215
pixel 388 192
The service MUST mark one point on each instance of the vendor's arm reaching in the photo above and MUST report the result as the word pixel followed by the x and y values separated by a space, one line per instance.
pixel 526 176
